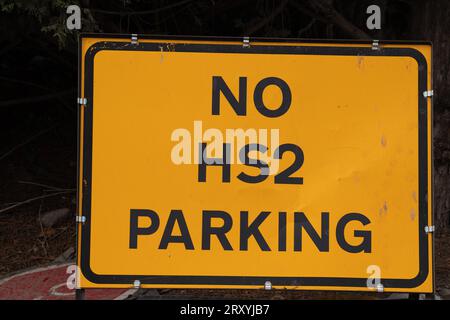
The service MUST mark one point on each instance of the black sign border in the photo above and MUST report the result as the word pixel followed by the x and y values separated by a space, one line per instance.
pixel 84 250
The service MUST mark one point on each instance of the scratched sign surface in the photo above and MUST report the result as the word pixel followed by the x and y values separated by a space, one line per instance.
pixel 224 164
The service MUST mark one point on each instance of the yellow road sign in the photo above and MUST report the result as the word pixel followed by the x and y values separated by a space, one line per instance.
pixel 263 163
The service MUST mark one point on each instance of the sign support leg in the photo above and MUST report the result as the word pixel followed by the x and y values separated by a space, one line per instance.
pixel 79 294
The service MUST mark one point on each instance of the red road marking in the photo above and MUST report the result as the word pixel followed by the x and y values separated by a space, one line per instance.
pixel 49 283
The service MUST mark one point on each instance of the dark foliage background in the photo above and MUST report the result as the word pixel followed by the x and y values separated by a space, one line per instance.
pixel 38 78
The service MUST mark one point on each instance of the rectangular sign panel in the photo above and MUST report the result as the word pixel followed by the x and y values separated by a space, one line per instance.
pixel 225 164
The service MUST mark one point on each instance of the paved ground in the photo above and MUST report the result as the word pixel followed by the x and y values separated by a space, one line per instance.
pixel 52 283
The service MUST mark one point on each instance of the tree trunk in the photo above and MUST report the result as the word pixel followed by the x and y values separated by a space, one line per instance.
pixel 431 22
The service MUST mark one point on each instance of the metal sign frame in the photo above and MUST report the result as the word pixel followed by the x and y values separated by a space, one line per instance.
pixel 332 48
